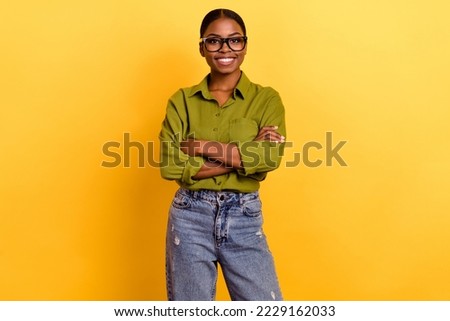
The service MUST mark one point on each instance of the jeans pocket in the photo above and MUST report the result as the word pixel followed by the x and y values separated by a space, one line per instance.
pixel 252 208
pixel 181 201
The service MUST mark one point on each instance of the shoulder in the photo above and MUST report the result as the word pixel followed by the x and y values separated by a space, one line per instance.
pixel 269 91
pixel 265 93
pixel 191 91
pixel 270 98
pixel 179 94
pixel 258 89
pixel 179 98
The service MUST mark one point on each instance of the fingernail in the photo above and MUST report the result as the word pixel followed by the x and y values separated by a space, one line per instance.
pixel 275 127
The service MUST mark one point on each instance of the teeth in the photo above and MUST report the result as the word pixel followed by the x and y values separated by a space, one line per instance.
pixel 225 59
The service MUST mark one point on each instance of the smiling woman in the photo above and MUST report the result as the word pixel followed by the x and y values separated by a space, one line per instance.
pixel 219 139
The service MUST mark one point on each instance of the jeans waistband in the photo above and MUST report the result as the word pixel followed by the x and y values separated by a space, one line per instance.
pixel 212 196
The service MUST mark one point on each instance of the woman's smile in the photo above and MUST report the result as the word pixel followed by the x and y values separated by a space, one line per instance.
pixel 225 61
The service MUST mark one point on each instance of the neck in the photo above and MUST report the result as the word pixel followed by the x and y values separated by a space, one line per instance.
pixel 224 82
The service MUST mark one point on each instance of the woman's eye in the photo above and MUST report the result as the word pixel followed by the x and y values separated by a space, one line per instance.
pixel 213 41
pixel 235 40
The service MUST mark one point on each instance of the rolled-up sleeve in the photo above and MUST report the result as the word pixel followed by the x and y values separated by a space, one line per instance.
pixel 264 156
pixel 174 164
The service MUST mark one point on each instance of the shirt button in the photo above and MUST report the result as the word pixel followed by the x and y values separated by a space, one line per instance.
pixel 215 129
pixel 218 114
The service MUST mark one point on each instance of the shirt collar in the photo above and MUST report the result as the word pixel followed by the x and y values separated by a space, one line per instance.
pixel 241 87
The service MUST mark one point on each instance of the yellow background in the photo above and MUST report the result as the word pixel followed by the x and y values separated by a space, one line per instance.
pixel 77 74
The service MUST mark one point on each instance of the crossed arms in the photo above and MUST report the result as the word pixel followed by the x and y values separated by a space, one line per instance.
pixel 222 158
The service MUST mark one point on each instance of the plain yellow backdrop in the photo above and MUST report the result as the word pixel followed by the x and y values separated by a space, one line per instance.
pixel 75 75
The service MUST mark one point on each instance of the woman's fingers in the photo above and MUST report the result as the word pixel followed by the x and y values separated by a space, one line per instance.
pixel 265 132
pixel 269 133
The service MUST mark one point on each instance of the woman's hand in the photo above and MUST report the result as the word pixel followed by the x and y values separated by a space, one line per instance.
pixel 270 134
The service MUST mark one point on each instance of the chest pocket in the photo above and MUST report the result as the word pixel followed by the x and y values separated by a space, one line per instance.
pixel 243 129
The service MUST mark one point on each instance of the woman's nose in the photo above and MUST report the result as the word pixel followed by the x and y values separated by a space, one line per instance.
pixel 225 47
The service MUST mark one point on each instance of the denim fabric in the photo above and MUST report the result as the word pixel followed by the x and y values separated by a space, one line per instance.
pixel 207 228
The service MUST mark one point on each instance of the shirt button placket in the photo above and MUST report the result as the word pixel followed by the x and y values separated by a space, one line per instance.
pixel 217 123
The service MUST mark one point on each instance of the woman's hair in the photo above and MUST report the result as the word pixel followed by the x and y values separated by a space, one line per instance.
pixel 221 13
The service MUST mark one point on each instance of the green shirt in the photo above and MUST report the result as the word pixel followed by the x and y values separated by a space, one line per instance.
pixel 194 113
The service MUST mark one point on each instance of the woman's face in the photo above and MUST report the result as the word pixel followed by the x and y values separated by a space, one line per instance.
pixel 225 61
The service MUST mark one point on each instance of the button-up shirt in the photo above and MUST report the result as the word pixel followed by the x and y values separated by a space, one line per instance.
pixel 194 113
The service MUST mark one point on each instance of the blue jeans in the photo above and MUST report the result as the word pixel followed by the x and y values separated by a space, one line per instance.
pixel 207 228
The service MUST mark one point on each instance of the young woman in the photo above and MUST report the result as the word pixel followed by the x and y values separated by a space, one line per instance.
pixel 218 141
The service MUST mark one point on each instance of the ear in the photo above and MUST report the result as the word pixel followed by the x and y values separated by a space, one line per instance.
pixel 202 51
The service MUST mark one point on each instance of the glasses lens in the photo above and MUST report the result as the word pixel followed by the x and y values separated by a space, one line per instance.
pixel 213 44
pixel 235 43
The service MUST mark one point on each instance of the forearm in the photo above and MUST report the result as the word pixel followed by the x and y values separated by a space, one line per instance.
pixel 211 169
pixel 227 154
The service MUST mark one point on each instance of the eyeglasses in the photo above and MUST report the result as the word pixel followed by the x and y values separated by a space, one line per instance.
pixel 213 44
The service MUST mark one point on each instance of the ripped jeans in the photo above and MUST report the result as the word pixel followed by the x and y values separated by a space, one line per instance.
pixel 207 228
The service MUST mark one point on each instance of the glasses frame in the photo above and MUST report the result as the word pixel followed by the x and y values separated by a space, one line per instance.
pixel 224 40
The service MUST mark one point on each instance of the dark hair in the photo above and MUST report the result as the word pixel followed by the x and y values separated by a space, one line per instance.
pixel 221 13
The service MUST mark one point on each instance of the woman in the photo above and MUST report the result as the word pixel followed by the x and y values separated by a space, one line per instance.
pixel 218 141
